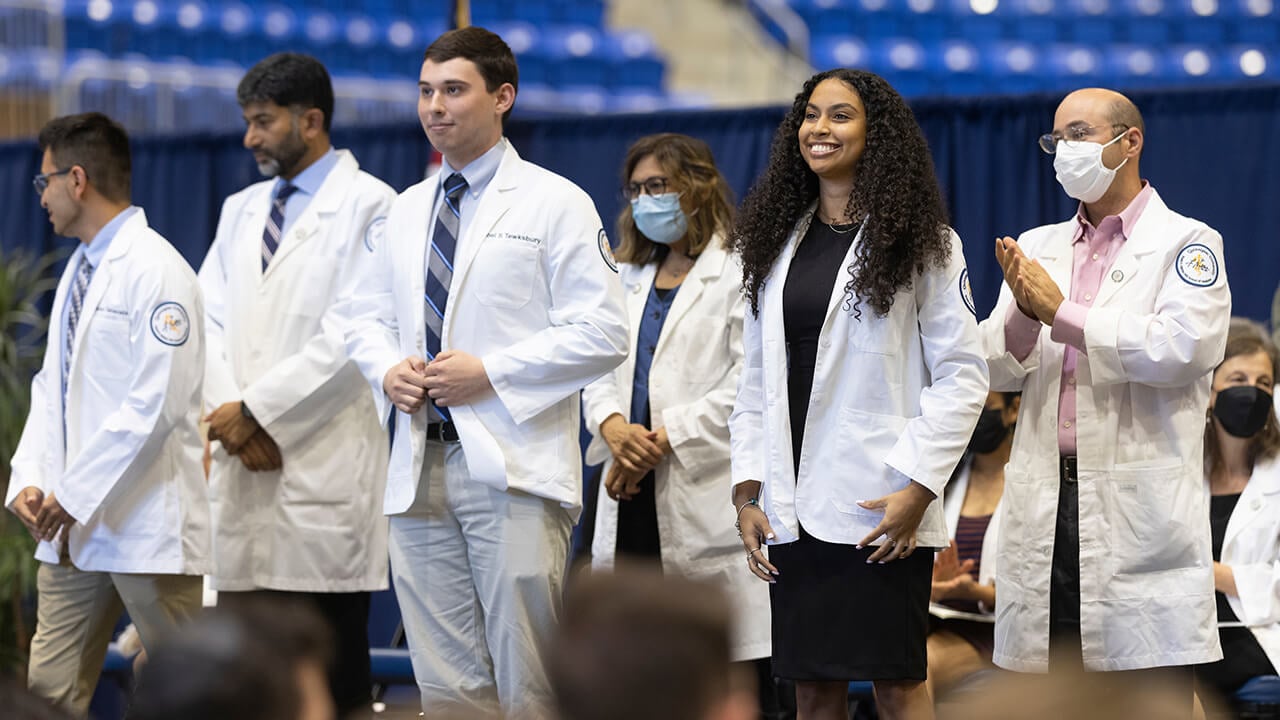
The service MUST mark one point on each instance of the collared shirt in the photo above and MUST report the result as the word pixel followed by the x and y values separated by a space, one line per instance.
pixel 1093 252
pixel 478 173
pixel 308 183
pixel 94 252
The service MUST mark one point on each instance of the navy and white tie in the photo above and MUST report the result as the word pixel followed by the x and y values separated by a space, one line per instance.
pixel 84 272
pixel 444 240
pixel 275 221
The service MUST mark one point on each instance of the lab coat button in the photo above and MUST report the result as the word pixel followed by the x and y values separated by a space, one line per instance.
pixel 1256 504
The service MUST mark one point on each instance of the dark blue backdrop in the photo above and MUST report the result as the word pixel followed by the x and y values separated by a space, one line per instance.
pixel 1212 154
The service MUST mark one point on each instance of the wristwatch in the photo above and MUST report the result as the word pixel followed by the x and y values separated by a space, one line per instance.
pixel 244 410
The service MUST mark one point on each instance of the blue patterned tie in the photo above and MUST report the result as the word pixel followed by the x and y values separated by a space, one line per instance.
pixel 271 233
pixel 84 272
pixel 444 240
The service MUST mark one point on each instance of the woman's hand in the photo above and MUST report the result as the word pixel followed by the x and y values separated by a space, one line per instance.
pixel 903 511
pixel 754 529
pixel 633 446
pixel 1224 580
pixel 621 484
pixel 952 578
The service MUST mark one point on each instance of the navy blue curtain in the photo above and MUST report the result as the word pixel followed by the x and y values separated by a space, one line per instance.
pixel 1210 153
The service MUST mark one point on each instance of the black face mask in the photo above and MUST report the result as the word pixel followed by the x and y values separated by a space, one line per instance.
pixel 1243 410
pixel 989 433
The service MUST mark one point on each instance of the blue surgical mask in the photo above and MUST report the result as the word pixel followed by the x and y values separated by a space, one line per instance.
pixel 660 217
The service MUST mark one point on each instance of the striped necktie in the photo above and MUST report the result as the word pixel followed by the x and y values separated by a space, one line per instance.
pixel 271 233
pixel 84 272
pixel 444 240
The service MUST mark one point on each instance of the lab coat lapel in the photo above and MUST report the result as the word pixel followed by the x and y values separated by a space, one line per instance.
pixel 102 277
pixel 494 203
pixel 1147 236
pixel 1265 481
pixel 320 210
pixel 707 268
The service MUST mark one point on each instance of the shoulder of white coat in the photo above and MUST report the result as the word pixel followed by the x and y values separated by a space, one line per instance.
pixel 1035 238
pixel 1267 472
pixel 373 187
pixel 546 182
pixel 152 252
pixel 238 199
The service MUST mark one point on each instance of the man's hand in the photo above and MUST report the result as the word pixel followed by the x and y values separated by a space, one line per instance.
pixel 404 384
pixel 260 453
pixel 27 506
pixel 228 425
pixel 52 519
pixel 1038 296
pixel 456 378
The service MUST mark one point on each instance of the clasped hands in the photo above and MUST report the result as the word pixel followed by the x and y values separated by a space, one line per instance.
pixel 43 516
pixel 636 450
pixel 452 378
pixel 1037 295
pixel 244 438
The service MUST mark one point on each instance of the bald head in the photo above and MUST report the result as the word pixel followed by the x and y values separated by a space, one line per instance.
pixel 1107 105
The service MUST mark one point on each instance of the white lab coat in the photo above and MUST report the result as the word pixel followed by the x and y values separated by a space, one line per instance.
pixel 131 472
pixel 894 399
pixel 1252 550
pixel 952 504
pixel 316 525
pixel 1142 389
pixel 534 296
pixel 692 385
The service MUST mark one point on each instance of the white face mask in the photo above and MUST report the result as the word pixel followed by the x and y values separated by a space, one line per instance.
pixel 1080 170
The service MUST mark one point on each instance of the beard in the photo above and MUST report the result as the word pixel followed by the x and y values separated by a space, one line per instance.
pixel 283 159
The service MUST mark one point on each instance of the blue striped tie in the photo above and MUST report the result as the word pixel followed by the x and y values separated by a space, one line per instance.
pixel 271 233
pixel 444 240
pixel 84 272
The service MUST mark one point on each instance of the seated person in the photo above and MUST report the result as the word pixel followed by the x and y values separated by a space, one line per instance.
pixel 1242 445
pixel 963 596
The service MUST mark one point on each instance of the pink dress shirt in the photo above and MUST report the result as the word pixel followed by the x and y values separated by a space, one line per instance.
pixel 1093 251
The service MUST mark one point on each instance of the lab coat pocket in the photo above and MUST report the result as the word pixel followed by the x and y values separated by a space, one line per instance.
pixel 856 470
pixel 1149 518
pixel 108 351
pixel 314 294
pixel 504 273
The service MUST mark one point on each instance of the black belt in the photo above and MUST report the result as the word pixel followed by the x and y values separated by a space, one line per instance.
pixel 1067 467
pixel 442 431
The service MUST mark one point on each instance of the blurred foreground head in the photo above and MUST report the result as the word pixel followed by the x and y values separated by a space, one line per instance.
pixel 262 661
pixel 1071 695
pixel 635 645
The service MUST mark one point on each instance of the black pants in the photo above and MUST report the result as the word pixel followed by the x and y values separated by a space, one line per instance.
pixel 1065 650
pixel 347 615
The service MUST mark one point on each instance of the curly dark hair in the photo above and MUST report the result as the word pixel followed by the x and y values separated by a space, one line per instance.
pixel 896 191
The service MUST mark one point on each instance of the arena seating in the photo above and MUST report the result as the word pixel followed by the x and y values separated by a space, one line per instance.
pixel 983 47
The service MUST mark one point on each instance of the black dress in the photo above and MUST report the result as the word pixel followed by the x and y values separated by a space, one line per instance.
pixel 834 616
pixel 1242 657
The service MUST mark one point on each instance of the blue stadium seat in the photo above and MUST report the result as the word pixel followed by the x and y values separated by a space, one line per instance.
pixel 956 68
pixel 636 100
pixel 1073 65
pixel 832 52
pixel 1134 66
pixel 584 99
pixel 1258 62
pixel 635 61
pixel 1013 67
pixel 579 12
pixel 1259 697
pixel 1195 63
pixel 577 52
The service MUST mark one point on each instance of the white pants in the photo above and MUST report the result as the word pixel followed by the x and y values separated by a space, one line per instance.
pixel 479 574
pixel 76 611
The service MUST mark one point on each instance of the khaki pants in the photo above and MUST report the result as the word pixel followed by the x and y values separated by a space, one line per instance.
pixel 478 573
pixel 76 612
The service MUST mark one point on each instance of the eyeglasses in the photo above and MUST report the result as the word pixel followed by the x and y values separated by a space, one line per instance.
pixel 1074 134
pixel 655 185
pixel 41 180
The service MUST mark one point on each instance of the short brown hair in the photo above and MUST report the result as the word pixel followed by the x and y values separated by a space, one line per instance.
pixel 691 170
pixel 96 143
pixel 636 645
pixel 1245 337
pixel 490 53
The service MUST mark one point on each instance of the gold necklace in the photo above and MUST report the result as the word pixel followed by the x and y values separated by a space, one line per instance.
pixel 851 226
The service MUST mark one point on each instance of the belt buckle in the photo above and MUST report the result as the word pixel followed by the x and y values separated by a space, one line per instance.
pixel 444 431
pixel 1067 466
